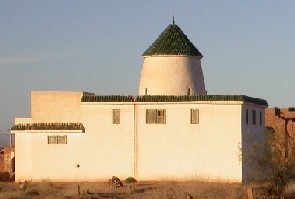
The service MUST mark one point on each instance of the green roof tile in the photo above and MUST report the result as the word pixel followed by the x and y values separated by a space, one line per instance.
pixel 172 41
pixel 48 126
pixel 173 98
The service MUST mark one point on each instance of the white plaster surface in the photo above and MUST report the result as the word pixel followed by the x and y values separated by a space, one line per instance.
pixel 177 150
pixel 172 75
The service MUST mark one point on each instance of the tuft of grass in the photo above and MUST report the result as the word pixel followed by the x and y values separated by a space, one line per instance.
pixel 49 188
pixel 13 195
pixel 196 189
pixel 32 192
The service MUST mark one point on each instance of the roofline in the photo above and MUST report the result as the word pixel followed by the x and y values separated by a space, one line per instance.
pixel 144 56
pixel 175 98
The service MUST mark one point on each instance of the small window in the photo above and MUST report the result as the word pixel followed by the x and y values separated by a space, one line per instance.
pixel 254 117
pixel 260 118
pixel 116 116
pixel 161 119
pixel 155 116
pixel 52 139
pixel 57 139
pixel 247 116
pixel 194 116
pixel 62 139
pixel 151 116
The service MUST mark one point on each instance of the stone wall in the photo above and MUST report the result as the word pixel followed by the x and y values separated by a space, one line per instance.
pixel 282 120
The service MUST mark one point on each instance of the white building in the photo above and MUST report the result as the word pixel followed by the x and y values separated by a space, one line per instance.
pixel 174 132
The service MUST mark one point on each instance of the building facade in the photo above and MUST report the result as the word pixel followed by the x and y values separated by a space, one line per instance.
pixel 172 130
pixel 70 137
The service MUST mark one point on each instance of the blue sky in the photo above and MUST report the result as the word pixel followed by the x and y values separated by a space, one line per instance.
pixel 96 46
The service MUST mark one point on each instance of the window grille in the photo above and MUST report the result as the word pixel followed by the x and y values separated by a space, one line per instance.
pixel 194 116
pixel 155 116
pixel 52 139
pixel 57 139
pixel 247 116
pixel 116 116
pixel 254 117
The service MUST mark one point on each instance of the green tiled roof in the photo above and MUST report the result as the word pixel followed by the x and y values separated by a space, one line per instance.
pixel 172 41
pixel 48 126
pixel 192 98
pixel 174 98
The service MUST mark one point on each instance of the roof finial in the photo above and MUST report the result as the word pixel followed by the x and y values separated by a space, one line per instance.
pixel 173 22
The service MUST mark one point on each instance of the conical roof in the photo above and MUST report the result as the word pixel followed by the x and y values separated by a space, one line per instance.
pixel 172 41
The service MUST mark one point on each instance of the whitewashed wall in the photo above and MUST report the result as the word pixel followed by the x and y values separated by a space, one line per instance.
pixel 105 149
pixel 177 150
pixel 253 142
pixel 172 75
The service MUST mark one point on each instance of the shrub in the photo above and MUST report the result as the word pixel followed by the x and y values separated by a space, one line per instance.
pixel 130 180
pixel 277 167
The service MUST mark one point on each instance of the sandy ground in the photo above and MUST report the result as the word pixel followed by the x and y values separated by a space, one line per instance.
pixel 141 190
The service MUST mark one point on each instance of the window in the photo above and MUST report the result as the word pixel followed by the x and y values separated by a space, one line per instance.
pixel 188 91
pixel 116 116
pixel 194 116
pixel 151 116
pixel 247 116
pixel 254 117
pixel 57 139
pixel 52 139
pixel 62 139
pixel 260 118
pixel 161 119
pixel 155 116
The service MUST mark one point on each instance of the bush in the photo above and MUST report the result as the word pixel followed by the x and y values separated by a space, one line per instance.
pixel 277 167
pixel 130 180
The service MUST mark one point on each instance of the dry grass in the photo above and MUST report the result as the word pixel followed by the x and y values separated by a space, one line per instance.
pixel 141 190
pixel 195 189
pixel 33 190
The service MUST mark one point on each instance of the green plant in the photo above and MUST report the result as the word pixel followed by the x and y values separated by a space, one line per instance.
pixel 130 180
pixel 190 98
pixel 107 98
pixel 275 160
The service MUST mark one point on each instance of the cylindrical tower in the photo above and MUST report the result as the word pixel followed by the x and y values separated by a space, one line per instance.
pixel 172 66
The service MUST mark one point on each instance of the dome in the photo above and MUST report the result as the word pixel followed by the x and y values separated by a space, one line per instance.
pixel 172 41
